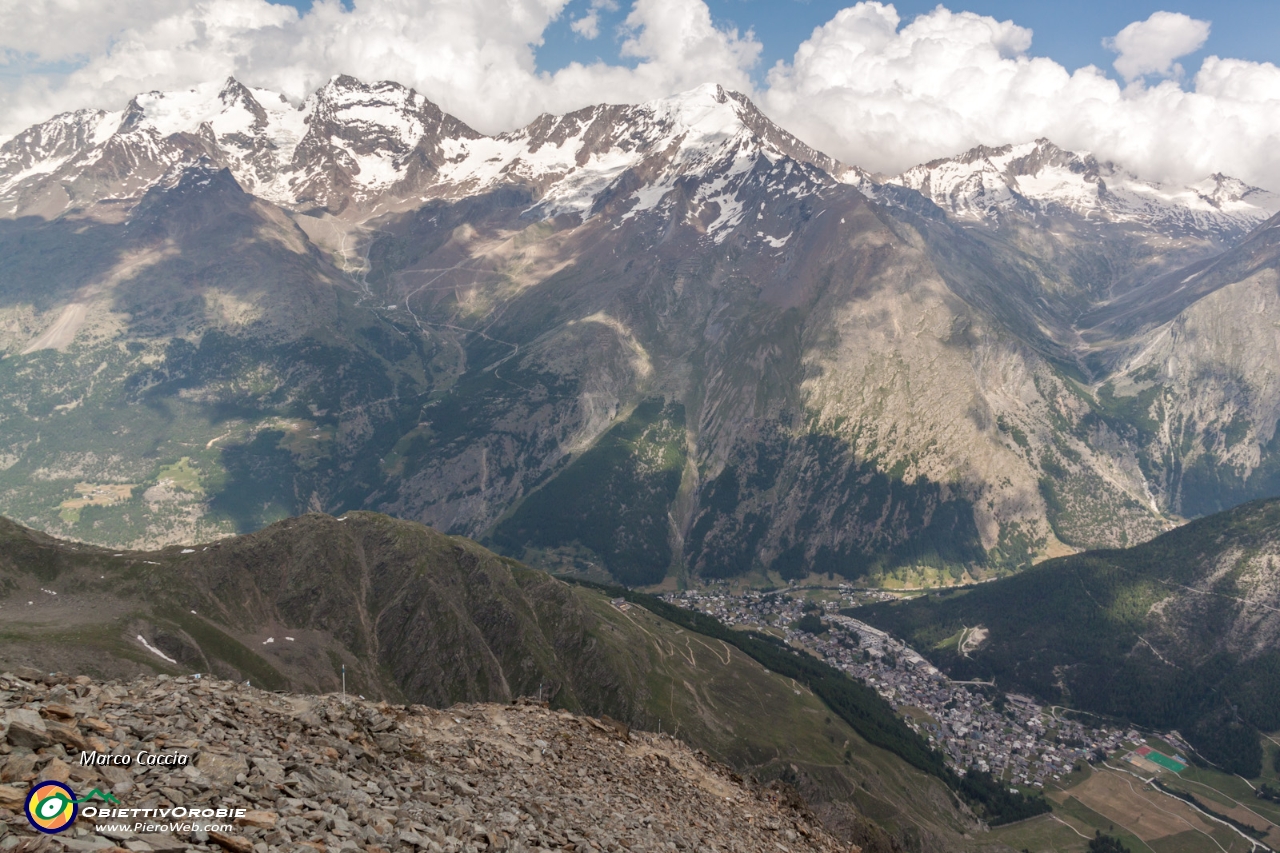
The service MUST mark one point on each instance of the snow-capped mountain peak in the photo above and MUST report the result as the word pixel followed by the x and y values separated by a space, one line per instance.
pixel 347 139
pixel 365 147
pixel 226 108
pixel 371 146
pixel 1039 178
pixel 572 159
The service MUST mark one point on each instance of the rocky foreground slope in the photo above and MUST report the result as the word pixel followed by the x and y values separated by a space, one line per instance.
pixel 342 774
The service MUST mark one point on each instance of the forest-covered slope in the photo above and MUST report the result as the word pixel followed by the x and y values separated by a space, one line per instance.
pixel 1180 632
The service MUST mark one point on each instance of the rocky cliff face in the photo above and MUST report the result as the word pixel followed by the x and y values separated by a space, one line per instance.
pixel 658 339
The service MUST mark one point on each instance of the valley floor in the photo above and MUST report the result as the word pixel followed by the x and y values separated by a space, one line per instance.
pixel 1226 817
pixel 1098 777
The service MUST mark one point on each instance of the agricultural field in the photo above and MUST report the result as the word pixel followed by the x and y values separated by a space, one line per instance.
pixel 93 494
pixel 182 475
pixel 1116 801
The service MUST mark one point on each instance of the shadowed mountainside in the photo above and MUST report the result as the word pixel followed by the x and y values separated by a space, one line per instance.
pixel 1180 632
pixel 642 342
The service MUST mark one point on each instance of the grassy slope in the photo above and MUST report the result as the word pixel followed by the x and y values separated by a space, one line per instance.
pixel 716 697
pixel 409 611
pixel 418 616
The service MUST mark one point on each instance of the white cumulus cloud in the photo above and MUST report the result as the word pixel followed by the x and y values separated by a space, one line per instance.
pixel 1151 46
pixel 475 58
pixel 867 86
pixel 57 30
pixel 885 95
pixel 588 26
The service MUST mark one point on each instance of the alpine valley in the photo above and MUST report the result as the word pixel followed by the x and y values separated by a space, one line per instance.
pixel 632 342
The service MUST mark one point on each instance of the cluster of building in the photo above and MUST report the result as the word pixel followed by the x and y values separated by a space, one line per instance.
pixel 975 725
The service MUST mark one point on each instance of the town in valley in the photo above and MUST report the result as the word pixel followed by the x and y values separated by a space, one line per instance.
pixel 974 724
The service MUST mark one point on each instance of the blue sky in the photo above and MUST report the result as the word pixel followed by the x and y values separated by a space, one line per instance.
pixel 1070 33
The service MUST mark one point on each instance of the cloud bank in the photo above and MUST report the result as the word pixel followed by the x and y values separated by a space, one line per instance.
pixel 879 93
pixel 866 87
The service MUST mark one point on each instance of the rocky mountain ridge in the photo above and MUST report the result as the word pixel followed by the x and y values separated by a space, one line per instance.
pixel 672 320
pixel 340 773
pixel 379 147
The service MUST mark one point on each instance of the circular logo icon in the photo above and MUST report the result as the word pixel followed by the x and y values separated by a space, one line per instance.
pixel 51 807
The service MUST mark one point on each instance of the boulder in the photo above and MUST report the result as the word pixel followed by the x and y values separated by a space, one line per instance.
pixel 25 727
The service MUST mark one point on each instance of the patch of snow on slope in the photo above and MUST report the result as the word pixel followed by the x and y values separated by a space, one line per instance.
pixel 731 214
pixel 154 650
pixel 1059 185
pixel 648 198
pixel 286 124
pixel 168 113
pixel 105 125
pixel 40 167
pixel 577 191
pixel 475 163
pixel 372 171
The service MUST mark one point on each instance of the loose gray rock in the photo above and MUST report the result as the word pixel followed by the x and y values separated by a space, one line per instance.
pixel 24 727
pixel 323 774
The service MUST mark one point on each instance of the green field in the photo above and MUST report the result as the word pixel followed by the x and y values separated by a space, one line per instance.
pixel 1118 804
pixel 1155 756
pixel 183 474
pixel 1146 819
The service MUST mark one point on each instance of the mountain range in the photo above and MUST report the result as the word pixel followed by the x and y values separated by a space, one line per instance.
pixel 634 342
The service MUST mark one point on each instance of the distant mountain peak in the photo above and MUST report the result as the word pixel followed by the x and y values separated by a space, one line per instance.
pixel 378 144
pixel 986 184
pixel 358 147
